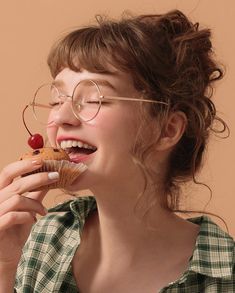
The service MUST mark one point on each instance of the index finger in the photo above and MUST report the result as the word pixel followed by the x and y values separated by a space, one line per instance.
pixel 16 169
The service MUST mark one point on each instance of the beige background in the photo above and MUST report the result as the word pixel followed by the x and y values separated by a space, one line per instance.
pixel 29 27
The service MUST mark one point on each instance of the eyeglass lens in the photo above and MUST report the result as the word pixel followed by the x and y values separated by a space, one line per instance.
pixel 48 100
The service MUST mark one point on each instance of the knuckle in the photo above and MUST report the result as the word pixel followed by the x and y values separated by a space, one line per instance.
pixel 16 188
pixel 5 172
pixel 17 199
pixel 11 217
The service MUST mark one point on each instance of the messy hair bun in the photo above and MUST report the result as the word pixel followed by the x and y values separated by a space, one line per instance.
pixel 188 86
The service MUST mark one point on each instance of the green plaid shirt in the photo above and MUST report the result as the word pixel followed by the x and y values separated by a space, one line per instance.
pixel 46 262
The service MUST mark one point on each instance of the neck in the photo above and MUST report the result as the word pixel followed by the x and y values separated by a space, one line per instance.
pixel 123 229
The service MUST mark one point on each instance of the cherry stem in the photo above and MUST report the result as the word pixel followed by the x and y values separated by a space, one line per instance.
pixel 24 120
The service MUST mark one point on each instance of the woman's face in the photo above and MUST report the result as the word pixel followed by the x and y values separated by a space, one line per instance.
pixel 112 132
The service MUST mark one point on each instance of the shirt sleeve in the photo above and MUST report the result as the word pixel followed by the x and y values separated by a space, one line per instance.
pixel 21 268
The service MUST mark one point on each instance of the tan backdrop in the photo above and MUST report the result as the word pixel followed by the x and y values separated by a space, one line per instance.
pixel 27 30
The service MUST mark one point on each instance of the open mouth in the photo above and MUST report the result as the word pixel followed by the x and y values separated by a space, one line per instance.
pixel 77 149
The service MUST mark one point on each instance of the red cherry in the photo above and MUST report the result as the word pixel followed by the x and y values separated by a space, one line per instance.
pixel 36 141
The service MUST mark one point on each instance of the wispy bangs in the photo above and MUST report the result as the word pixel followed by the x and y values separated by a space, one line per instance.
pixel 84 48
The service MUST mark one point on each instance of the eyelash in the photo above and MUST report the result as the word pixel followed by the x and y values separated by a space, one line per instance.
pixel 54 104
pixel 103 102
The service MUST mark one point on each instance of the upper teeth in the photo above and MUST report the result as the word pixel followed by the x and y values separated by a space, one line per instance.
pixel 75 143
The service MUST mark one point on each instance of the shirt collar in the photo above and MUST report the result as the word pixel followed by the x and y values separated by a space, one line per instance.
pixel 214 250
pixel 82 207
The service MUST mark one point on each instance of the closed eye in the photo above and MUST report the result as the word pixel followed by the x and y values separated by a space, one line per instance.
pixel 54 104
pixel 92 102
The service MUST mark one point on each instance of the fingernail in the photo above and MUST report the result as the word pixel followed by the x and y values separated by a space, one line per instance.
pixel 37 162
pixel 53 175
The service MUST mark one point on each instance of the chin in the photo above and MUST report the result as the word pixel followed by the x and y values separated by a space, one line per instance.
pixel 83 182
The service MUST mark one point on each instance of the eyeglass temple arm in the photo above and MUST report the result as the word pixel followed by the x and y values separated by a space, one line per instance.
pixel 39 105
pixel 133 99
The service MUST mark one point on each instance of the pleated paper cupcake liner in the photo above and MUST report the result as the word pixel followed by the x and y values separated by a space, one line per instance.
pixel 68 172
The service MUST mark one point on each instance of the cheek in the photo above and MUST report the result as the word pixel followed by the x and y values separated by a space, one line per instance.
pixel 117 129
pixel 51 134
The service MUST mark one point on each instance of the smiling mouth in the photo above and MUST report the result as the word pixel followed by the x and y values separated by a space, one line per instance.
pixel 76 147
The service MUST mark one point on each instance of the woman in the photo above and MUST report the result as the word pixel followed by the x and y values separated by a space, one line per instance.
pixel 131 100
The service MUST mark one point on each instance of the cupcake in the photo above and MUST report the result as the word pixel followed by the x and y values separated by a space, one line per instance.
pixel 56 160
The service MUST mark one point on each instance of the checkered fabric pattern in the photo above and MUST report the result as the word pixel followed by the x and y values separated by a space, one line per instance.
pixel 45 266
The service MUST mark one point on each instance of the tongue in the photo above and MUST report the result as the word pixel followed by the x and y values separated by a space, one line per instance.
pixel 84 151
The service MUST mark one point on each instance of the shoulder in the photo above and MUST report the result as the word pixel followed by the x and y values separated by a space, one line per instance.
pixel 62 224
pixel 212 265
pixel 53 241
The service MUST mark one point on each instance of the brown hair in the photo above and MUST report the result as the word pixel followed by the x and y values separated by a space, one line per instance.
pixel 170 59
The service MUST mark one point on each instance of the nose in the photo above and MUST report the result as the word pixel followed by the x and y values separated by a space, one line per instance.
pixel 65 116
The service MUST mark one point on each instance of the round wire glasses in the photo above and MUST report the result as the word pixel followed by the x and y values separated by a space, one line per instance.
pixel 86 100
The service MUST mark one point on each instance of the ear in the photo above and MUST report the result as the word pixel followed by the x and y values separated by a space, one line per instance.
pixel 173 131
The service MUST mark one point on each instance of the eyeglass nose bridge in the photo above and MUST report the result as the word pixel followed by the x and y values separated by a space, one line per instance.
pixel 68 98
pixel 65 97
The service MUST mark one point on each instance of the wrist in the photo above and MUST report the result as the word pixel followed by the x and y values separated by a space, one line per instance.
pixel 8 268
pixel 7 280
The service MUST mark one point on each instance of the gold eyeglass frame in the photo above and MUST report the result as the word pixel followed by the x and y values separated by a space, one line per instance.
pixel 102 98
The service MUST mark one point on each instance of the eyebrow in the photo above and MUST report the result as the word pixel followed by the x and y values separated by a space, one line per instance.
pixel 104 82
